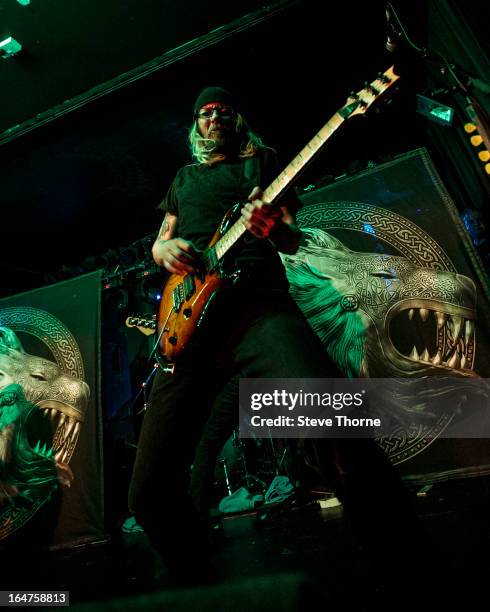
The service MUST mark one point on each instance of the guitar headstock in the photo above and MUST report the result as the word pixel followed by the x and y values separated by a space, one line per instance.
pixel 358 103
pixel 145 324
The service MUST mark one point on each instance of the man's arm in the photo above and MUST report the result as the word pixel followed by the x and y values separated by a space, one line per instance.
pixel 278 224
pixel 168 227
pixel 286 235
pixel 175 254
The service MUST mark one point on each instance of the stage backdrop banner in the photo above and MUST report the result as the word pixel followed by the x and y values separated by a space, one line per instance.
pixel 390 281
pixel 50 359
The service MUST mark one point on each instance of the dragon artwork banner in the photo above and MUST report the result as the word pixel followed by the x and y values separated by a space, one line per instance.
pixel 389 279
pixel 51 473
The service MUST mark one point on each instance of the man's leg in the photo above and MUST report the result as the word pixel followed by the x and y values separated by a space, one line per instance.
pixel 159 491
pixel 218 429
pixel 279 343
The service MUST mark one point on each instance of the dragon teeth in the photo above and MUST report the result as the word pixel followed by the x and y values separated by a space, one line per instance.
pixel 414 354
pixel 76 431
pixel 437 359
pixel 70 435
pixel 441 319
pixel 70 426
pixel 457 325
pixel 460 333
pixel 454 362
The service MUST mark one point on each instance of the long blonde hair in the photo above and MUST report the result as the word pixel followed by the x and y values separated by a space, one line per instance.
pixel 202 149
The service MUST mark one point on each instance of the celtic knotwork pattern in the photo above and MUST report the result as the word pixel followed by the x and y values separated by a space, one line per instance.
pixel 51 332
pixel 16 517
pixel 445 288
pixel 408 238
pixel 406 442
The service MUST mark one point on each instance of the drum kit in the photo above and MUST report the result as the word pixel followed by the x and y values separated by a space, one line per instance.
pixel 251 463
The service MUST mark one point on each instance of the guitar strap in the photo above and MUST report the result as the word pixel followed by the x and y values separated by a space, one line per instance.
pixel 257 169
pixel 251 169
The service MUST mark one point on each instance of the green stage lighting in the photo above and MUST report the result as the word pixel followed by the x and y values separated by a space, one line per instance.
pixel 9 47
pixel 435 111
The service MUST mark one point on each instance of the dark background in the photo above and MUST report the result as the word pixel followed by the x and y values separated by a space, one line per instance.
pixel 94 114
pixel 81 183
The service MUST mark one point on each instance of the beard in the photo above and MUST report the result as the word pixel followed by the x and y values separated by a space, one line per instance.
pixel 221 138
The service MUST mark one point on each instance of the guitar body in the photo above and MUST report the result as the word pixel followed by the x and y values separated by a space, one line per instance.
pixel 185 300
pixel 178 327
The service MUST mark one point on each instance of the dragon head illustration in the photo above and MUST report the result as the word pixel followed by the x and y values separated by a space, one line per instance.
pixel 61 398
pixel 28 473
pixel 382 315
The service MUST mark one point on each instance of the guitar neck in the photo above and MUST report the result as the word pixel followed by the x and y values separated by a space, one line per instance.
pixel 292 170
pixel 356 104
pixel 277 188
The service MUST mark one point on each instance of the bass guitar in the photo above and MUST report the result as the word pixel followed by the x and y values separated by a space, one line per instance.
pixel 185 299
pixel 147 325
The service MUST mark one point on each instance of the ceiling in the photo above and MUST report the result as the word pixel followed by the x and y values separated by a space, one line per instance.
pixel 95 109
pixel 72 46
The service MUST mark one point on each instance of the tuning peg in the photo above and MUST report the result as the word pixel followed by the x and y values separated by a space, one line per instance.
pixel 371 88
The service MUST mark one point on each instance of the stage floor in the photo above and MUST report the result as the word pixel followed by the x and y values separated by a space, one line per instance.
pixel 274 553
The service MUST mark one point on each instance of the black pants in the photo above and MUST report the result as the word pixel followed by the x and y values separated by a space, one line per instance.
pixel 256 336
pixel 219 427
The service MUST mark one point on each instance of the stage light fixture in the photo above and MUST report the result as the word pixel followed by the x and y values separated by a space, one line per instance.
pixel 435 111
pixel 480 138
pixel 154 295
pixel 9 47
pixel 151 290
pixel 24 2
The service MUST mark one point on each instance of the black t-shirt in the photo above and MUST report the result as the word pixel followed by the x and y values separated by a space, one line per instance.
pixel 200 195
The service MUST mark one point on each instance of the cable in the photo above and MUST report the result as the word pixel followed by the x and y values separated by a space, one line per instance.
pixel 390 7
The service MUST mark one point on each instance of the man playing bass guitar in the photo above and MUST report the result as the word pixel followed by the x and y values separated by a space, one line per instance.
pixel 253 329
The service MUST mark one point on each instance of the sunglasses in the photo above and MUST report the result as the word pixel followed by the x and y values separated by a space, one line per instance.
pixel 223 112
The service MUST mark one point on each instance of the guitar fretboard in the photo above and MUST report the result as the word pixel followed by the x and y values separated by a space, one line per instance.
pixel 357 104
pixel 282 182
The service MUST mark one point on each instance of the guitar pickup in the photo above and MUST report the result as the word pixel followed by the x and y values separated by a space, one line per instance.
pixel 189 286
pixel 178 297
